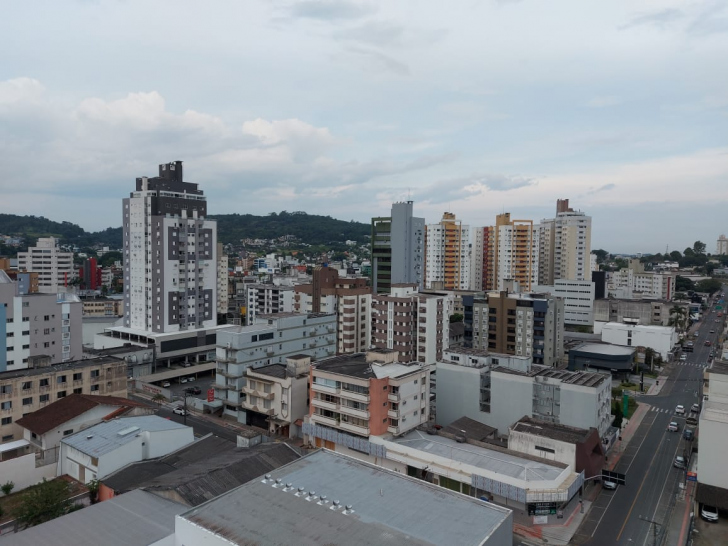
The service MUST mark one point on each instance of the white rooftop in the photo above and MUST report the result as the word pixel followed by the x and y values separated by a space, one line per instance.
pixel 605 348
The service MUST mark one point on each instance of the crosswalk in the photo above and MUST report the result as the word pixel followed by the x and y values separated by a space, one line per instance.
pixel 693 364
pixel 660 410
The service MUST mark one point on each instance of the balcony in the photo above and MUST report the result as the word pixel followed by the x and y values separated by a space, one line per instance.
pixel 323 404
pixel 394 430
pixel 362 414
pixel 351 395
pixel 321 420
pixel 224 373
pixel 258 409
pixel 315 387
pixel 393 397
pixel 394 414
pixel 259 394
pixel 356 429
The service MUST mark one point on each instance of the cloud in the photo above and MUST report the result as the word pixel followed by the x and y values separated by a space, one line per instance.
pixel 20 90
pixel 471 186
pixel 603 102
pixel 380 62
pixel 712 19
pixel 330 10
pixel 660 19
pixel 605 187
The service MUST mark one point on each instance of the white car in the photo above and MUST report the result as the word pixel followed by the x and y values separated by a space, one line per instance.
pixel 680 409
pixel 183 380
pixel 166 384
pixel 673 427
pixel 683 357
pixel 709 513
pixel 608 484
pixel 179 410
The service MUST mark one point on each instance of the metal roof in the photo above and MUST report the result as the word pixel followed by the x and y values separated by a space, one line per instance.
pixel 388 508
pixel 510 464
pixel 137 518
pixel 110 435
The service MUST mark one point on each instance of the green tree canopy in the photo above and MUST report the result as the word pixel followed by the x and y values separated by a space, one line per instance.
pixel 699 247
pixel 601 255
pixel 683 284
pixel 675 256
pixel 708 285
pixel 456 317
pixel 44 502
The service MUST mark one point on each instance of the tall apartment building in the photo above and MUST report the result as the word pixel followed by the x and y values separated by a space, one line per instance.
pixel 398 243
pixel 170 255
pixel 447 255
pixel 54 267
pixel 24 391
pixel 349 298
pixel 578 299
pixel 515 252
pixel 564 246
pixel 722 246
pixel 272 339
pixel 635 282
pixel 529 325
pixel 415 325
pixel 367 394
pixel 222 281
pixel 268 299
pixel 90 275
pixel 36 324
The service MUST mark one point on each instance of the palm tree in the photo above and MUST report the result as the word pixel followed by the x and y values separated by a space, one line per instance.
pixel 159 398
pixel 678 317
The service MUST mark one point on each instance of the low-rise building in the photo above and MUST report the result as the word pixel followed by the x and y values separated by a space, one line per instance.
pixel 661 339
pixel 713 438
pixel 601 356
pixel 102 449
pixel 368 394
pixel 103 307
pixel 271 340
pixel 646 312
pixel 25 391
pixel 635 282
pixel 268 299
pixel 328 498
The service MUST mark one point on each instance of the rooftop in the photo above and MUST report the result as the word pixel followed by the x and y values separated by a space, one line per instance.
pixel 135 519
pixel 470 428
pixel 272 370
pixel 468 351
pixel 58 368
pixel 53 415
pixel 110 435
pixel 719 367
pixel 605 349
pixel 554 431
pixel 356 365
pixel 501 461
pixel 586 379
pixel 387 508
pixel 715 411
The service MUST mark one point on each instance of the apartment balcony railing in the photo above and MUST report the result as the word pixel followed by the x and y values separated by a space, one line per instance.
pixel 259 394
pixel 356 429
pixel 323 404
pixel 321 420
pixel 351 395
pixel 394 414
pixel 362 414
pixel 393 397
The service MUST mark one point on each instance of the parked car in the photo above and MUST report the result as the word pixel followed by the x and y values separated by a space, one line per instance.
pixel 683 357
pixel 679 462
pixel 680 409
pixel 609 484
pixel 194 390
pixel 183 380
pixel 688 434
pixel 709 513
pixel 695 408
pixel 707 343
pixel 166 384
pixel 179 410
pixel 673 427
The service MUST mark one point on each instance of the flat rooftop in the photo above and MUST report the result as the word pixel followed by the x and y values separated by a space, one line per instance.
pixel 586 379
pixel 715 411
pixel 62 367
pixel 504 462
pixel 272 370
pixel 605 349
pixel 554 431
pixel 719 367
pixel 387 508
pixel 356 365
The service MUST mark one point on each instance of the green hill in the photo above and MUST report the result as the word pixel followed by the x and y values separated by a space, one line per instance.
pixel 231 228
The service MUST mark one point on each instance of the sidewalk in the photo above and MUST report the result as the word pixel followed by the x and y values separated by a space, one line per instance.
pixel 627 434
pixel 560 533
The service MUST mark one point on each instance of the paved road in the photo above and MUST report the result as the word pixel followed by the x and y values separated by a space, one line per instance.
pixel 652 481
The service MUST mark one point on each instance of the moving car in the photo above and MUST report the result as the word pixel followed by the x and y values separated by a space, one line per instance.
pixel 680 409
pixel 688 434
pixel 712 331
pixel 166 384
pixel 695 408
pixel 608 484
pixel 707 343
pixel 679 462
pixel 709 513
pixel 179 410
pixel 673 427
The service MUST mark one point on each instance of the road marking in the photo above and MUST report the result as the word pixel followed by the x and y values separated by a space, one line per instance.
pixel 657 505
pixel 625 473
pixel 637 496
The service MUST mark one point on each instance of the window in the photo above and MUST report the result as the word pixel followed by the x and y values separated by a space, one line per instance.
pixel 44 382
pixel 6 405
pixel 7 438
pixel 61 379
pixel 68 432
pixel 78 376
pixel 415 381
pixel 61 394
pixel 78 391
pixel 94 373
pixel 94 388
pixel 28 401
pixel 6 421
pixel 27 385
pixel 6 389
pixel 44 398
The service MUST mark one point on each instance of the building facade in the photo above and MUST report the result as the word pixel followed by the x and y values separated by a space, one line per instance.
pixel 722 246
pixel 54 267
pixel 448 255
pixel 24 391
pixel 662 339
pixel 103 307
pixel 398 246
pixel 222 280
pixel 564 246
pixel 271 340
pixel 647 312
pixel 170 255
pixel 349 298
pixel 636 283
pixel 413 324
pixel 530 325
pixel 268 299
pixel 578 299
pixel 515 252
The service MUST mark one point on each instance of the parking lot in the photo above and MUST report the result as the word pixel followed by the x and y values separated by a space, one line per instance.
pixel 204 381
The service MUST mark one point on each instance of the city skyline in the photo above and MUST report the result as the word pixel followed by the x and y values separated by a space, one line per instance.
pixel 341 108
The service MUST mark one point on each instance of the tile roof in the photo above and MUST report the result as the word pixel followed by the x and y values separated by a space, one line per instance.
pixel 55 414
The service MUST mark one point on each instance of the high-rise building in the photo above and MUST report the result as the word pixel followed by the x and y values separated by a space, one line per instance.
pixel 722 247
pixel 170 255
pixel 397 248
pixel 564 246
pixel 349 298
pixel 515 252
pixel 90 275
pixel 448 254
pixel 54 267
pixel 413 324
pixel 222 281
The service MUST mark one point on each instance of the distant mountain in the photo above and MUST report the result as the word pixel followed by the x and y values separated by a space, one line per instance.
pixel 231 228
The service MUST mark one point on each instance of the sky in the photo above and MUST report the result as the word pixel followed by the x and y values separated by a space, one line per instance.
pixel 341 107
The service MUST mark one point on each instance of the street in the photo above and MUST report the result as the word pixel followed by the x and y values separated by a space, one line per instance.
pixel 623 516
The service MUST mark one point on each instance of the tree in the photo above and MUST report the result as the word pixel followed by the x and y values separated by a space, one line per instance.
pixel 708 285
pixel 44 502
pixel 7 487
pixel 159 398
pixel 621 263
pixel 683 284
pixel 93 491
pixel 675 256
pixel 699 247
pixel 601 255
pixel 618 415
pixel 678 318
pixel 456 317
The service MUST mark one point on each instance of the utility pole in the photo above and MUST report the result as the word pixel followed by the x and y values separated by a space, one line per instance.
pixel 655 525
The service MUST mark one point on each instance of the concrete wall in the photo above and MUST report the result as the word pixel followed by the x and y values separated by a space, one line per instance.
pixel 458 393
pixel 511 399
pixel 713 446
pixel 582 407
pixel 660 338
pixel 524 442
pixel 23 473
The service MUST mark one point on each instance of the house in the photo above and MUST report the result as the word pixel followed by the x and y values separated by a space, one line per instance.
pixel 100 450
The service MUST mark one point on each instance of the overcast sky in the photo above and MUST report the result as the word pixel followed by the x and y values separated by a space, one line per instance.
pixel 339 107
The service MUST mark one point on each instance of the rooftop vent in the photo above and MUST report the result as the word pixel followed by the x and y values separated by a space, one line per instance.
pixel 89 436
pixel 322 500
pixel 335 505
pixel 278 483
pixel 267 478
pixel 311 496
pixel 288 487
pixel 348 510
pixel 301 492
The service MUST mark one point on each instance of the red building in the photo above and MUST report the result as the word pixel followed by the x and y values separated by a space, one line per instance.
pixel 90 275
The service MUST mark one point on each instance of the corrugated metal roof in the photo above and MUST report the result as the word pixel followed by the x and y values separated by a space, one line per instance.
pixel 388 508
pixel 104 437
